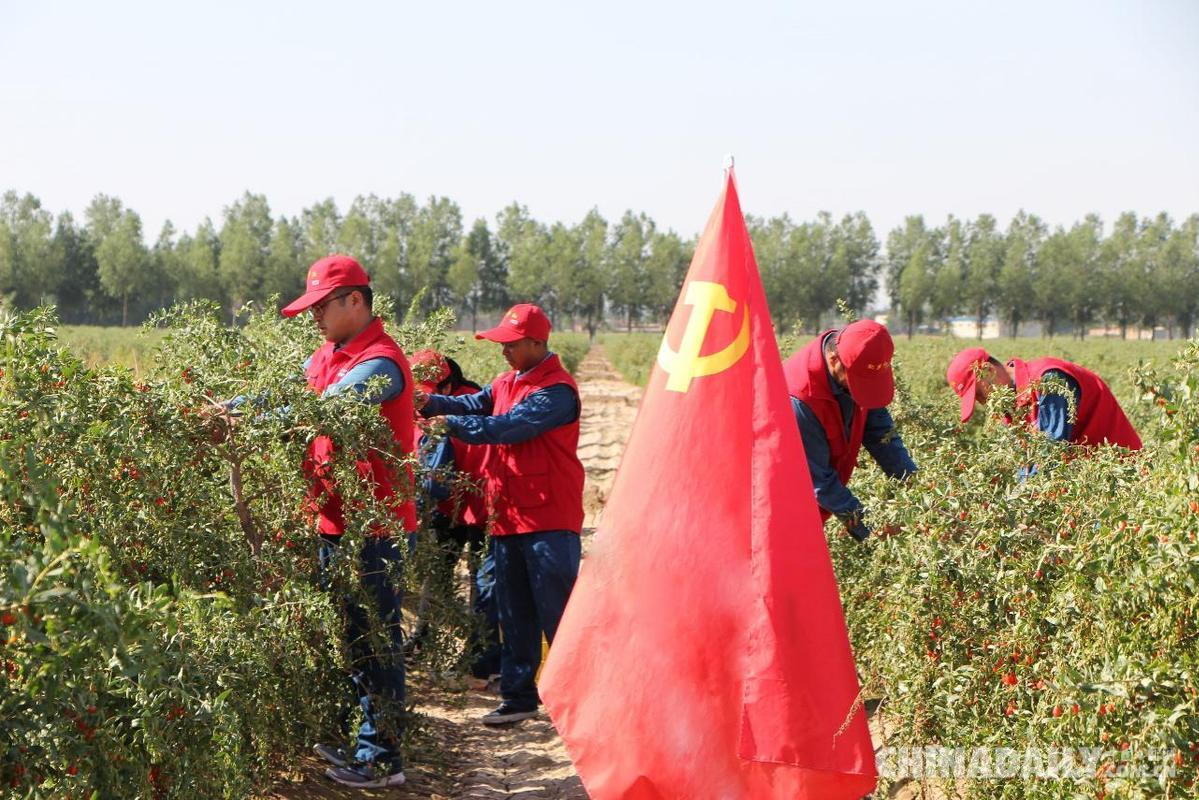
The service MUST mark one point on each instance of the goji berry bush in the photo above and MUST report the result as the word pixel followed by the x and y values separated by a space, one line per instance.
pixel 162 629
pixel 1048 610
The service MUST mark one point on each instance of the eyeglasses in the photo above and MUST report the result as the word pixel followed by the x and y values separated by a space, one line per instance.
pixel 318 310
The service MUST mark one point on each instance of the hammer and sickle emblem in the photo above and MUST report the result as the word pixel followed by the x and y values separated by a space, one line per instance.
pixel 705 299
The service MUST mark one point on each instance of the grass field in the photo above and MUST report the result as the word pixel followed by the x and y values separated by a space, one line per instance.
pixel 131 347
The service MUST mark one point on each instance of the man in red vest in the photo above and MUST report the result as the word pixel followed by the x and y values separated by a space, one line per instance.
pixel 840 385
pixel 529 418
pixel 1083 412
pixel 356 350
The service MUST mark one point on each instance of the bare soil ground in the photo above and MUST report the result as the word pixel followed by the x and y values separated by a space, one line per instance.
pixel 465 760
pixel 609 408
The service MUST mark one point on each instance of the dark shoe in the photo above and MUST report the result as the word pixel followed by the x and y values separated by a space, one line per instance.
pixel 334 755
pixel 365 776
pixel 506 714
pixel 414 644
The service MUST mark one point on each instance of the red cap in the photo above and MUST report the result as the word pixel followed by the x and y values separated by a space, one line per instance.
pixel 865 348
pixel 327 274
pixel 435 366
pixel 963 377
pixel 523 321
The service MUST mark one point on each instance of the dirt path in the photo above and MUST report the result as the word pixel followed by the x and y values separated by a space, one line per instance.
pixel 609 408
pixel 467 761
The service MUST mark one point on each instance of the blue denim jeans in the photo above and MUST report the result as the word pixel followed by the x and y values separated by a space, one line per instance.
pixel 534 574
pixel 378 666
pixel 485 643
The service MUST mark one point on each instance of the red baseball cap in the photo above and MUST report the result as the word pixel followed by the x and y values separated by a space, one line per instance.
pixel 435 366
pixel 325 275
pixel 523 321
pixel 865 348
pixel 962 376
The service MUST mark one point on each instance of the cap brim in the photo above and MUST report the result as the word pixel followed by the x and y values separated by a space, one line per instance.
pixel 873 390
pixel 306 301
pixel 500 334
pixel 969 395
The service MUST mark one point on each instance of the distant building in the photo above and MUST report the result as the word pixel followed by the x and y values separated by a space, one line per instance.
pixel 967 328
pixel 1134 332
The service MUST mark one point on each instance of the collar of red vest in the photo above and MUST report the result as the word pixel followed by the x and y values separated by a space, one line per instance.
pixel 550 362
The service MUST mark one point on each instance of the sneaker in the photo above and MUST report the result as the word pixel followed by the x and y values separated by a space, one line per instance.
pixel 507 713
pixel 365 776
pixel 334 755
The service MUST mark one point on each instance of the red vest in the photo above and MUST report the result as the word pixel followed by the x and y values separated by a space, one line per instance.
pixel 326 368
pixel 468 508
pixel 1100 418
pixel 808 380
pixel 536 485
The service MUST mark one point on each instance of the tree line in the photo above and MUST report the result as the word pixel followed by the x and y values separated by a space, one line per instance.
pixel 1144 273
pixel 595 272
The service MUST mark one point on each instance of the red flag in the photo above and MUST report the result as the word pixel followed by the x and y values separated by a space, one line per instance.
pixel 703 653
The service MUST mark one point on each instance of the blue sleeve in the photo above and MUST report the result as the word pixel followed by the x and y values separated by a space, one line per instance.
pixel 464 404
pixel 885 446
pixel 436 456
pixel 1053 409
pixel 831 494
pixel 541 411
pixel 355 380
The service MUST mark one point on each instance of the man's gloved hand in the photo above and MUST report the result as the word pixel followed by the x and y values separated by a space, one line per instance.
pixel 855 524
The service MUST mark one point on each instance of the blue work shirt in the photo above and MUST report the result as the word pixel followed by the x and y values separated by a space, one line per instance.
pixel 878 437
pixel 1053 416
pixel 437 457
pixel 469 417
pixel 1053 409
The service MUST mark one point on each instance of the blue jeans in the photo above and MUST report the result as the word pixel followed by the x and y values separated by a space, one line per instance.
pixel 485 643
pixel 534 574
pixel 378 667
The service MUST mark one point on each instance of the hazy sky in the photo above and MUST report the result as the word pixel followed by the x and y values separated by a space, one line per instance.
pixel 1061 107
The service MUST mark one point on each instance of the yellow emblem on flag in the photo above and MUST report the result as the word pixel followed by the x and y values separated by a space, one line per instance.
pixel 683 366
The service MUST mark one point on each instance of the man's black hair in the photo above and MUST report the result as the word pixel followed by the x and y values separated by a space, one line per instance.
pixel 456 380
pixel 830 343
pixel 995 361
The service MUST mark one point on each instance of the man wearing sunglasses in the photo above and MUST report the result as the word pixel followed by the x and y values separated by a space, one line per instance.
pixel 357 349
pixel 840 385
